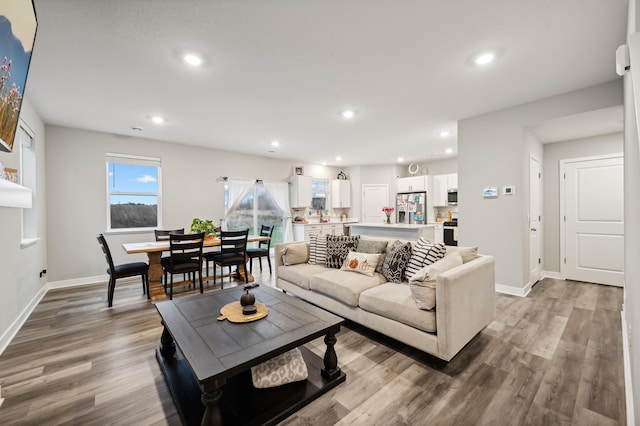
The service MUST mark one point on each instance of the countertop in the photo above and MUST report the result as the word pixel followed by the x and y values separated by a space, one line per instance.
pixel 395 225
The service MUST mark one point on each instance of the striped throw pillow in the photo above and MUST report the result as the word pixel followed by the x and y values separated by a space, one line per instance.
pixel 424 253
pixel 317 249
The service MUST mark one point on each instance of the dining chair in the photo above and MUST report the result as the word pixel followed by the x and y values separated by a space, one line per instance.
pixel 163 235
pixel 233 252
pixel 124 270
pixel 263 248
pixel 185 257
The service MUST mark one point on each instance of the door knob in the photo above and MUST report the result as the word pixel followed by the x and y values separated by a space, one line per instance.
pixel 534 229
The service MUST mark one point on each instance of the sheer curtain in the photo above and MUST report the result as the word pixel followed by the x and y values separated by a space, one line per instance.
pixel 237 191
pixel 279 192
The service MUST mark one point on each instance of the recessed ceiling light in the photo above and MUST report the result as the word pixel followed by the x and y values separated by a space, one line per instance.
pixel 348 114
pixel 338 158
pixel 449 151
pixel 192 59
pixel 444 133
pixel 485 58
pixel 400 159
pixel 157 119
pixel 275 143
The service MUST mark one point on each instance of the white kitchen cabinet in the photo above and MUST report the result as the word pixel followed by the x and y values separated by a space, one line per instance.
pixel 412 184
pixel 340 193
pixel 300 192
pixel 302 231
pixel 438 233
pixel 440 184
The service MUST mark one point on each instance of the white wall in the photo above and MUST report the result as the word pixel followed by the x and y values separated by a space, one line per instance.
pixel 20 282
pixel 493 150
pixel 76 211
pixel 553 153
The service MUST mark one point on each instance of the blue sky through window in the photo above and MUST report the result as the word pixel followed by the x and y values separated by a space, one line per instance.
pixel 131 181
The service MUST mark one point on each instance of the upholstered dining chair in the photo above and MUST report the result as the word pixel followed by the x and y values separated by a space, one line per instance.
pixel 263 248
pixel 163 235
pixel 185 257
pixel 233 252
pixel 124 270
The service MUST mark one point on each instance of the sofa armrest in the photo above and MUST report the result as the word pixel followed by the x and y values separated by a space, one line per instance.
pixel 465 304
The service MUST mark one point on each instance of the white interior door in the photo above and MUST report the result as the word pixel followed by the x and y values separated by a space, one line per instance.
pixel 374 197
pixel 535 224
pixel 594 224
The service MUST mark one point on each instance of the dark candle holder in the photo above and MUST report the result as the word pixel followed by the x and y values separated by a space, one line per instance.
pixel 247 301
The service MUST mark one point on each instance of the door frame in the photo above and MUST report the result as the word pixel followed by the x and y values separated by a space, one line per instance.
pixel 561 181
pixel 540 220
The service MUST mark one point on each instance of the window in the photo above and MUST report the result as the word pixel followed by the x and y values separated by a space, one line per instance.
pixel 256 208
pixel 319 191
pixel 133 192
pixel 28 169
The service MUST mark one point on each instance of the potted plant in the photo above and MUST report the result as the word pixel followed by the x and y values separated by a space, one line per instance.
pixel 206 226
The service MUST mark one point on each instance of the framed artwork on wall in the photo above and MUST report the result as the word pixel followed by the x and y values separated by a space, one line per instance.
pixel 299 170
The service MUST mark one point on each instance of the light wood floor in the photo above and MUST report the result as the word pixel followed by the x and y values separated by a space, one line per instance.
pixel 552 358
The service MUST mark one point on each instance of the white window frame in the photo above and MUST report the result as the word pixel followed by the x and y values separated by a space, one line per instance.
pixel 137 160
pixel 28 178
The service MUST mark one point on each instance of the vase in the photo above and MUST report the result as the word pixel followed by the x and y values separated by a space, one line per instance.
pixel 388 219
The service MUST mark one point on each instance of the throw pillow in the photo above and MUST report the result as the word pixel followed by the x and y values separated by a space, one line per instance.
pixel 338 246
pixel 374 246
pixel 295 253
pixel 396 261
pixel 423 283
pixel 467 253
pixel 364 263
pixel 282 369
pixel 424 253
pixel 317 249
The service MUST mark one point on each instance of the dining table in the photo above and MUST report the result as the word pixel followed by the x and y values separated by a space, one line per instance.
pixel 154 250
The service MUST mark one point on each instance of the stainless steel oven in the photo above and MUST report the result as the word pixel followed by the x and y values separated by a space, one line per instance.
pixel 450 231
pixel 452 197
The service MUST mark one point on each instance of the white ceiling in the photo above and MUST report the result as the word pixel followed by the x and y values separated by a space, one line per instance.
pixel 284 69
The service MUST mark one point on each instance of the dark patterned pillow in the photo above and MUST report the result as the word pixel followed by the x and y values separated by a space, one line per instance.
pixel 375 247
pixel 317 249
pixel 396 261
pixel 338 246
pixel 424 254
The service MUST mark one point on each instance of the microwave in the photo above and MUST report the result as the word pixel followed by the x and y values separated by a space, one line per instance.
pixel 452 197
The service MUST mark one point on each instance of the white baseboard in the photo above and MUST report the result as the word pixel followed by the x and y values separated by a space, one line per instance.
pixel 628 385
pixel 79 281
pixel 513 291
pixel 551 274
pixel 13 329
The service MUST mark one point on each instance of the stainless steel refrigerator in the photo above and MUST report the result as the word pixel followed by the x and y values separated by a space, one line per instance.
pixel 411 207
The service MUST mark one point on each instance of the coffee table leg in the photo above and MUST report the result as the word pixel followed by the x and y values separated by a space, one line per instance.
pixel 330 370
pixel 167 345
pixel 211 395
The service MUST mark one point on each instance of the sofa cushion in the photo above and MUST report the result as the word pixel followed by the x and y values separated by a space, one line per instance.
pixel 395 262
pixel 363 263
pixel 368 245
pixel 467 253
pixel 343 286
pixel 424 253
pixel 394 301
pixel 300 274
pixel 295 253
pixel 338 246
pixel 317 249
pixel 423 282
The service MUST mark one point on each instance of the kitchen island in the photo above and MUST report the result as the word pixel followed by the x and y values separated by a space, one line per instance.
pixel 402 231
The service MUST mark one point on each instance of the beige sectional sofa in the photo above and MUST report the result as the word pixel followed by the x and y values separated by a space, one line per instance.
pixel 464 298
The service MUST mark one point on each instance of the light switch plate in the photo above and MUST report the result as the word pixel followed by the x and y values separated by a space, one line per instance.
pixel 508 190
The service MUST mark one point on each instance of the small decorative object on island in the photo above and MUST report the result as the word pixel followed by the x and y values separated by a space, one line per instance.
pixel 206 226
pixel 247 301
pixel 388 210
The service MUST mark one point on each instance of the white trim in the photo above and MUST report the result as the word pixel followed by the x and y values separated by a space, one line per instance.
pixel 79 281
pixel 628 385
pixel 28 242
pixel 513 291
pixel 13 329
pixel 551 274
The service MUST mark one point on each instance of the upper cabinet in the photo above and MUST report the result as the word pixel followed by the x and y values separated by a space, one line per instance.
pixel 412 184
pixel 340 193
pixel 440 184
pixel 300 191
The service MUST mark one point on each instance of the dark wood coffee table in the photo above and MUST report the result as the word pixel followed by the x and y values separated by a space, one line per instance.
pixel 207 362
